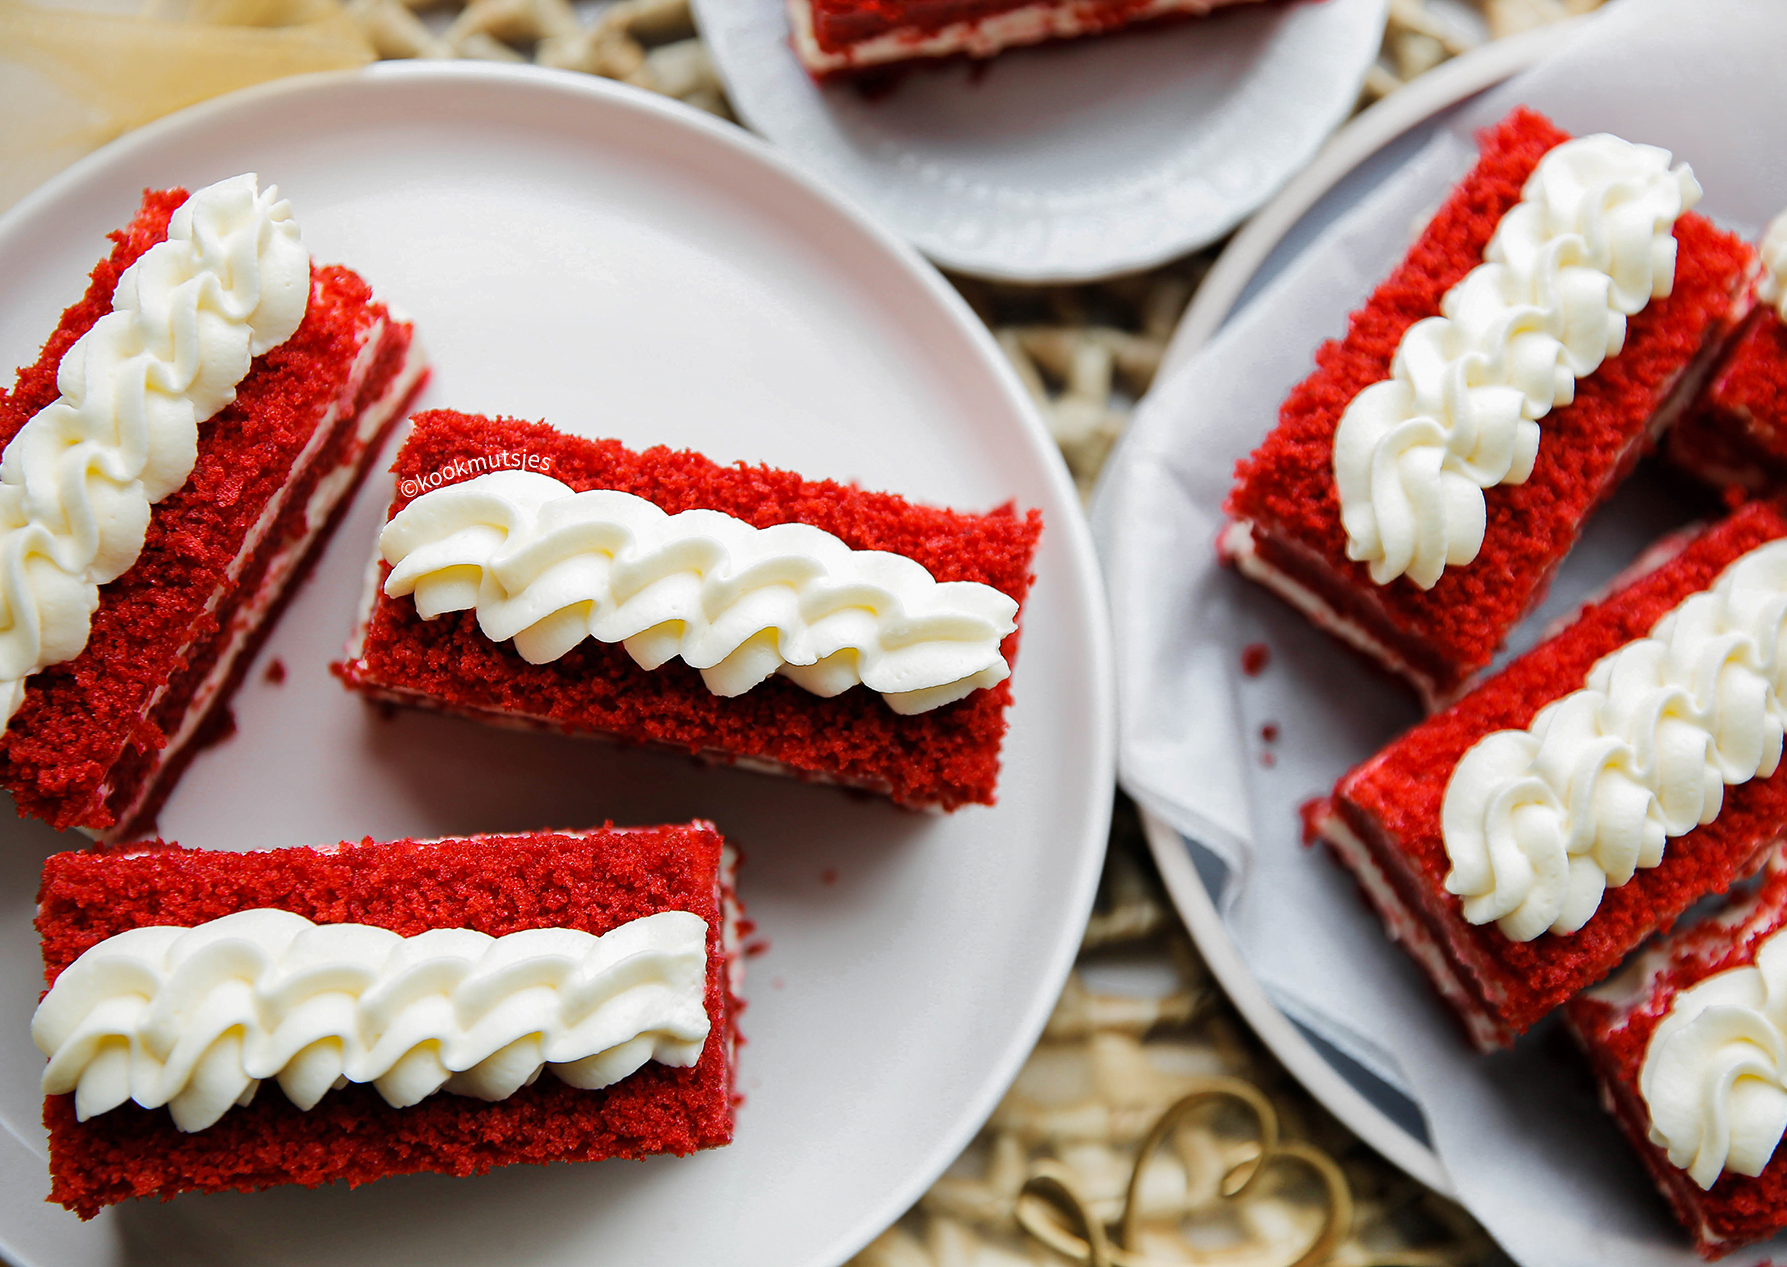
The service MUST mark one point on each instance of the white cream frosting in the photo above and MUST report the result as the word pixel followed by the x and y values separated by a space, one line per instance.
pixel 1589 244
pixel 1538 822
pixel 1714 1077
pixel 548 568
pixel 231 281
pixel 196 1018
pixel 1771 287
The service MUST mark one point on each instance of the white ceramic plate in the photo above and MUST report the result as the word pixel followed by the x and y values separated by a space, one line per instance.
pixel 1523 1141
pixel 622 266
pixel 1070 161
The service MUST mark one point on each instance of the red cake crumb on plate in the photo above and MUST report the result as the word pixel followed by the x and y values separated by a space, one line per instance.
pixel 592 881
pixel 834 37
pixel 944 758
pixel 1286 530
pixel 1614 1024
pixel 1383 821
pixel 101 739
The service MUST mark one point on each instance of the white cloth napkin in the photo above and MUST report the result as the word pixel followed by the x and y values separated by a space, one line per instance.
pixel 1521 1134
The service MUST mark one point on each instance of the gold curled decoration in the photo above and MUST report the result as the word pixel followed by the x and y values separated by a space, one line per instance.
pixel 1051 1209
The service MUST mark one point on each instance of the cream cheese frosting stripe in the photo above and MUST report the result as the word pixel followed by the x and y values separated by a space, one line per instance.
pixel 195 1018
pixel 231 281
pixel 1714 1078
pixel 1589 244
pixel 548 567
pixel 1538 822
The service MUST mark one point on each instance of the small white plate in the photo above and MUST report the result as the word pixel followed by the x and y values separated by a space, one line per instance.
pixel 1068 161
pixel 620 265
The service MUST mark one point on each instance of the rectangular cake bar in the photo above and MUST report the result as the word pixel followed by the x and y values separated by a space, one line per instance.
pixel 942 758
pixel 1617 1024
pixel 591 881
pixel 100 740
pixel 1384 820
pixel 835 37
pixel 1286 530
pixel 1736 433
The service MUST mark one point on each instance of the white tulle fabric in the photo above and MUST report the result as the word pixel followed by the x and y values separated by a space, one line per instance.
pixel 548 568
pixel 196 1018
pixel 1771 286
pixel 231 281
pixel 1714 1078
pixel 1589 244
pixel 1538 822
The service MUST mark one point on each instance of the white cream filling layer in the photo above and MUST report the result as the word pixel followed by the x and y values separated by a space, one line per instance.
pixel 249 617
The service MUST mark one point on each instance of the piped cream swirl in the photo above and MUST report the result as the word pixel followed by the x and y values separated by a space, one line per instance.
pixel 231 281
pixel 1589 244
pixel 1771 287
pixel 1714 1078
pixel 1538 822
pixel 196 1018
pixel 548 567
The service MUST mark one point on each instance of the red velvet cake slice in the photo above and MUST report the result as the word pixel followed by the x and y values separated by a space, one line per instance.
pixel 658 598
pixel 833 37
pixel 1578 800
pixel 441 1005
pixel 1423 484
pixel 174 459
pixel 1736 433
pixel 1689 1046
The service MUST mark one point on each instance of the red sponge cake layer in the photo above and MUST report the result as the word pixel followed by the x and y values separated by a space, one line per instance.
pixel 1614 1024
pixel 592 881
pixel 100 739
pixel 1287 530
pixel 838 36
pixel 1383 821
pixel 1736 434
pixel 944 758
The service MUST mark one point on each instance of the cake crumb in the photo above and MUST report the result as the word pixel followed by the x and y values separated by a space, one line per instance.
pixel 275 671
pixel 1312 812
pixel 1255 656
pixel 759 946
pixel 1268 760
pixel 829 876
pixel 1269 732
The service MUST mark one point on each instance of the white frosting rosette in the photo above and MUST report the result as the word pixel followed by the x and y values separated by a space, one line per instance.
pixel 1589 244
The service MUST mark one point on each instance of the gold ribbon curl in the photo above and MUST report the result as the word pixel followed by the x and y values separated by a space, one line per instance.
pixel 1051 1208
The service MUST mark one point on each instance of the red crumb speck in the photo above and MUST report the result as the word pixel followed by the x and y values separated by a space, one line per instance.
pixel 275 670
pixel 776 983
pixel 1312 812
pixel 1269 732
pixel 1255 656
pixel 829 876
pixel 1268 760
pixel 755 947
